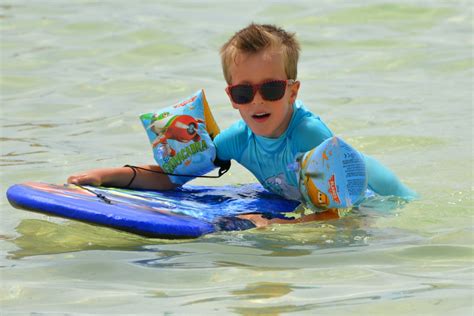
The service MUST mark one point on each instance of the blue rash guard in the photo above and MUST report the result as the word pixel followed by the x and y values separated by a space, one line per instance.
pixel 268 158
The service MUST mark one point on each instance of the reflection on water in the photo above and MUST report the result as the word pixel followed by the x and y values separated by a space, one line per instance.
pixel 263 290
pixel 273 310
pixel 41 237
pixel 256 292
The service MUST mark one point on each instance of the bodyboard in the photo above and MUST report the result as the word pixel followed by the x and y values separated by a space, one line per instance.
pixel 186 212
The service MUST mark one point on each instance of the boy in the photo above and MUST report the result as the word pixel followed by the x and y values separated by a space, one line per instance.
pixel 260 67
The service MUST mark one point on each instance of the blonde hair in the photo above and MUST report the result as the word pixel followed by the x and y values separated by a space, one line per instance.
pixel 256 38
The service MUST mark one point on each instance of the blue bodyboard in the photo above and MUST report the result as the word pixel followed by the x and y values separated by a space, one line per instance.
pixel 187 212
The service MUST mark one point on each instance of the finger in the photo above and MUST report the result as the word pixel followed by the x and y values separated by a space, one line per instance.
pixel 72 180
pixel 81 179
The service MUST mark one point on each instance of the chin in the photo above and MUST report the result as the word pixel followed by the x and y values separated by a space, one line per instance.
pixel 265 134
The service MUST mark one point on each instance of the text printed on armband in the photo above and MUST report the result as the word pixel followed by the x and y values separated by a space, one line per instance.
pixel 183 155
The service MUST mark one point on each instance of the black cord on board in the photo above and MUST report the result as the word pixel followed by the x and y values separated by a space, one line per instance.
pixel 99 195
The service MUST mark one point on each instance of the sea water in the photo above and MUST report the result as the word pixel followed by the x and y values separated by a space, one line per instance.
pixel 393 78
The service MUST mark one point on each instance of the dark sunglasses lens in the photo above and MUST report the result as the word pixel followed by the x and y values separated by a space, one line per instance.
pixel 241 94
pixel 273 90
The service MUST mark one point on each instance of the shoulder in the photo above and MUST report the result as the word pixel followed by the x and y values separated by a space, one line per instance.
pixel 231 141
pixel 238 130
pixel 309 130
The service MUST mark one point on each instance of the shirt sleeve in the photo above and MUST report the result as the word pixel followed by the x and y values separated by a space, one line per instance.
pixel 384 182
pixel 311 132
pixel 231 141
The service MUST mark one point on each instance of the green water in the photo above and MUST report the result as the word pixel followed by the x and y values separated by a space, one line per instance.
pixel 395 79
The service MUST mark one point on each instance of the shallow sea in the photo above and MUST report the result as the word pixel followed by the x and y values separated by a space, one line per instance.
pixel 394 78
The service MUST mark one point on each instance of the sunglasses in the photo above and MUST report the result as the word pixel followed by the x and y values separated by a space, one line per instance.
pixel 272 90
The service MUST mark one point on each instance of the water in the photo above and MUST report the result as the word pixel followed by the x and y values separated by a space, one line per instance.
pixel 393 78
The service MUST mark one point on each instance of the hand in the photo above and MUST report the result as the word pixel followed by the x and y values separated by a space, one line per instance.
pixel 257 219
pixel 85 178
pixel 260 221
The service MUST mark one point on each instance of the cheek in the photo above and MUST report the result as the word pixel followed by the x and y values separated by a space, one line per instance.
pixel 243 113
pixel 238 109
pixel 286 108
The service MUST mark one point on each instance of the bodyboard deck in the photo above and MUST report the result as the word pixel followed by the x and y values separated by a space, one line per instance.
pixel 187 212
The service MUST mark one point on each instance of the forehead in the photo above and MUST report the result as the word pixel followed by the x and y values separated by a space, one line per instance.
pixel 266 64
pixel 267 55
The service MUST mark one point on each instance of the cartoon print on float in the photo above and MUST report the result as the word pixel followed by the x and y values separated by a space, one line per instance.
pixel 279 185
pixel 181 138
pixel 317 197
pixel 180 128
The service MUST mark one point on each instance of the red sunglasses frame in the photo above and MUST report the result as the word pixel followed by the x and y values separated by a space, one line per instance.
pixel 256 87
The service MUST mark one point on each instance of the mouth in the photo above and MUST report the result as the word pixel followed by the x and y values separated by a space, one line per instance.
pixel 260 117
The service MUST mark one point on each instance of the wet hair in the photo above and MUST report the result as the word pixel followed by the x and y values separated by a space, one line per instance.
pixel 256 38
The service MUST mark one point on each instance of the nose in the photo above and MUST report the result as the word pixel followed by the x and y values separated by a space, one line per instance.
pixel 257 99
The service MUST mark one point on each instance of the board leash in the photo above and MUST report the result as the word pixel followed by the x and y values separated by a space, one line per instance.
pixel 99 195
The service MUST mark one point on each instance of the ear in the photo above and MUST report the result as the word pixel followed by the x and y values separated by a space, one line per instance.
pixel 294 88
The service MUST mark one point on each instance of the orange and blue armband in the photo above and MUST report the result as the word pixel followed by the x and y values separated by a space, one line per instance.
pixel 332 176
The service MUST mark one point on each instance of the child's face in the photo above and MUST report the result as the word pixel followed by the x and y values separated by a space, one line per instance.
pixel 264 118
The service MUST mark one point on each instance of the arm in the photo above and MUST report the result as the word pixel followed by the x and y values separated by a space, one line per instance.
pixel 120 177
pixel 260 221
pixel 384 182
